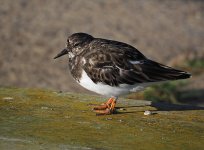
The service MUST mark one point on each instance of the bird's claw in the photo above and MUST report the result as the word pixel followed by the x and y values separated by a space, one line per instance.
pixel 105 108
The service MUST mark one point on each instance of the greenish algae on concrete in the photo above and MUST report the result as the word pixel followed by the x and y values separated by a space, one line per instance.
pixel 42 119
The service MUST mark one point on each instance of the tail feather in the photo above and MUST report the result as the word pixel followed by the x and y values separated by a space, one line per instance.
pixel 159 72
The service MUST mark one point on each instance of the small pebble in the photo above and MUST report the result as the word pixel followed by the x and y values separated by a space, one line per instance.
pixel 67 117
pixel 120 120
pixel 147 112
pixel 122 109
pixel 108 118
pixel 43 107
pixel 8 98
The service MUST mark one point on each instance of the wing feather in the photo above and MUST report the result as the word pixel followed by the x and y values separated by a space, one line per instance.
pixel 110 63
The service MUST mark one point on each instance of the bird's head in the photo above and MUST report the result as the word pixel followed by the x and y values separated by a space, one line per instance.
pixel 76 44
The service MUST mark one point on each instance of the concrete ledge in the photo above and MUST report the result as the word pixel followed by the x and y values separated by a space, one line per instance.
pixel 42 119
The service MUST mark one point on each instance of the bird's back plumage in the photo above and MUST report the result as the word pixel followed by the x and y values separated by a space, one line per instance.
pixel 115 63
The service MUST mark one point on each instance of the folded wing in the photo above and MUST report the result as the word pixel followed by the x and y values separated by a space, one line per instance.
pixel 126 65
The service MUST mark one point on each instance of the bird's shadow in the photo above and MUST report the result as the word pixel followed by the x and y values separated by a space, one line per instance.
pixel 159 107
pixel 175 107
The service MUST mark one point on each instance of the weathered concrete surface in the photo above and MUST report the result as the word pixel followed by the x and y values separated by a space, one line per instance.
pixel 41 119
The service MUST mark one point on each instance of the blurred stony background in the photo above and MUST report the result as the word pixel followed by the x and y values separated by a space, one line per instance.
pixel 33 32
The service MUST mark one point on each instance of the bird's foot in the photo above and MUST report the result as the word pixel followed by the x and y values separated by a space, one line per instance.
pixel 106 108
pixel 107 111
pixel 105 105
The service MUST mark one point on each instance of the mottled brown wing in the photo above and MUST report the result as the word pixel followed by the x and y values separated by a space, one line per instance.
pixel 111 66
pixel 118 63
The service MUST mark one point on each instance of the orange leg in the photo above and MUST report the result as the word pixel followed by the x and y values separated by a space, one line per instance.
pixel 108 107
pixel 104 105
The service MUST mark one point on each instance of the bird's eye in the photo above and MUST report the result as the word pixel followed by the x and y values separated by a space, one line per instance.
pixel 77 44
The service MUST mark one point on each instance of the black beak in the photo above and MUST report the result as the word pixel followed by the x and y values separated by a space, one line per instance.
pixel 63 52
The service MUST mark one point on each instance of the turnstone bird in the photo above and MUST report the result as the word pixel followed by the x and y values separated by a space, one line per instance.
pixel 113 68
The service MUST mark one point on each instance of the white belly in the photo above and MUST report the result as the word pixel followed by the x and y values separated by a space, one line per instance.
pixel 107 90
